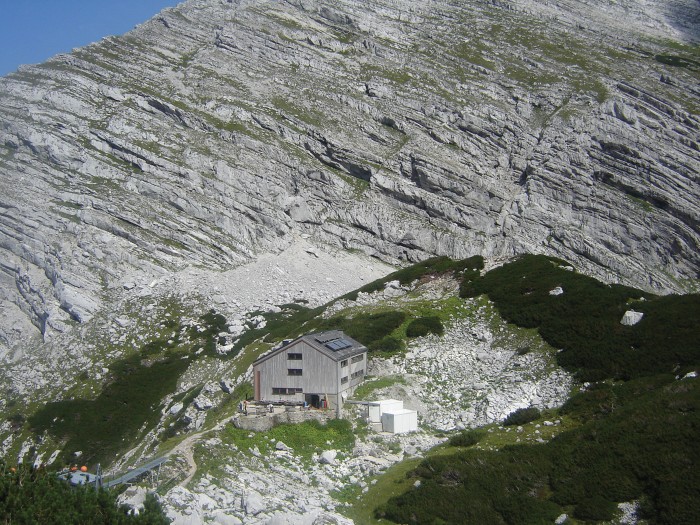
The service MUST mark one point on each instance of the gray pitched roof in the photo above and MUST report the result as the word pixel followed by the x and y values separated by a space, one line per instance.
pixel 334 344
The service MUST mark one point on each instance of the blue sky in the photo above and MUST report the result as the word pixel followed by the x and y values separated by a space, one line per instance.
pixel 32 31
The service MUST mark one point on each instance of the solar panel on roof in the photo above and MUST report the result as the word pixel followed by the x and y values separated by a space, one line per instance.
pixel 326 336
pixel 338 344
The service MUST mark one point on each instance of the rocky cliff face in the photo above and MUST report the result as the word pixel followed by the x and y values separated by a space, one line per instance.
pixel 223 129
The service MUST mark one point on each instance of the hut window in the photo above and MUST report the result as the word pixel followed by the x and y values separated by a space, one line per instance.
pixel 278 391
pixel 344 363
pixel 293 371
pixel 294 357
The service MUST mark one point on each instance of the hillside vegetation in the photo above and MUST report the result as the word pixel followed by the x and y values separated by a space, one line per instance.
pixel 127 407
pixel 584 321
pixel 636 433
pixel 629 432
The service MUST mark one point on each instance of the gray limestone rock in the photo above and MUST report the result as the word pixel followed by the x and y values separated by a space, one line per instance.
pixel 333 125
pixel 253 503
pixel 328 457
pixel 226 386
pixel 222 518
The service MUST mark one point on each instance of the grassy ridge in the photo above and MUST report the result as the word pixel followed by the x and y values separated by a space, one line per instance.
pixel 436 265
pixel 584 321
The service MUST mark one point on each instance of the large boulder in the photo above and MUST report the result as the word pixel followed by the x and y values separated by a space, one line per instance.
pixel 328 457
pixel 253 503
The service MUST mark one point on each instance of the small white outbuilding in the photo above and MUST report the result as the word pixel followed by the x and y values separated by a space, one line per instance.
pixel 375 409
pixel 400 421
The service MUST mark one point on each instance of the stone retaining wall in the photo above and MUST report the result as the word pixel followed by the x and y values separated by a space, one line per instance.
pixel 263 422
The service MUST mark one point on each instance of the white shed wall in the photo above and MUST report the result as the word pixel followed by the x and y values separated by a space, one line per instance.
pixel 377 408
pixel 400 421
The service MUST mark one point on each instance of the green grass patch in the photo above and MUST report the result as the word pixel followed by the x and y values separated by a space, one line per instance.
pixel 365 390
pixel 69 204
pixel 398 76
pixel 304 439
pixel 308 116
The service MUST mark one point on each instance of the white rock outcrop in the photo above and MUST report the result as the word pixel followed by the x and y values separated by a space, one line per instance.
pixel 631 318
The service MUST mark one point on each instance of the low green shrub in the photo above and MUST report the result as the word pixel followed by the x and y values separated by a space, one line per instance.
pixel 387 345
pixel 466 438
pixel 521 416
pixel 30 495
pixel 16 421
pixel 425 325
pixel 594 403
pixel 100 428
pixel 371 329
pixel 523 350
pixel 596 508
pixel 471 272
pixel 677 61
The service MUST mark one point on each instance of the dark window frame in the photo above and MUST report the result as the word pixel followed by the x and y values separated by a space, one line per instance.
pixel 283 391
pixel 294 356
pixel 294 372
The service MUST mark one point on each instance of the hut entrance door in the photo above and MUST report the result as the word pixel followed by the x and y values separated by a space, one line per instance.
pixel 313 400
